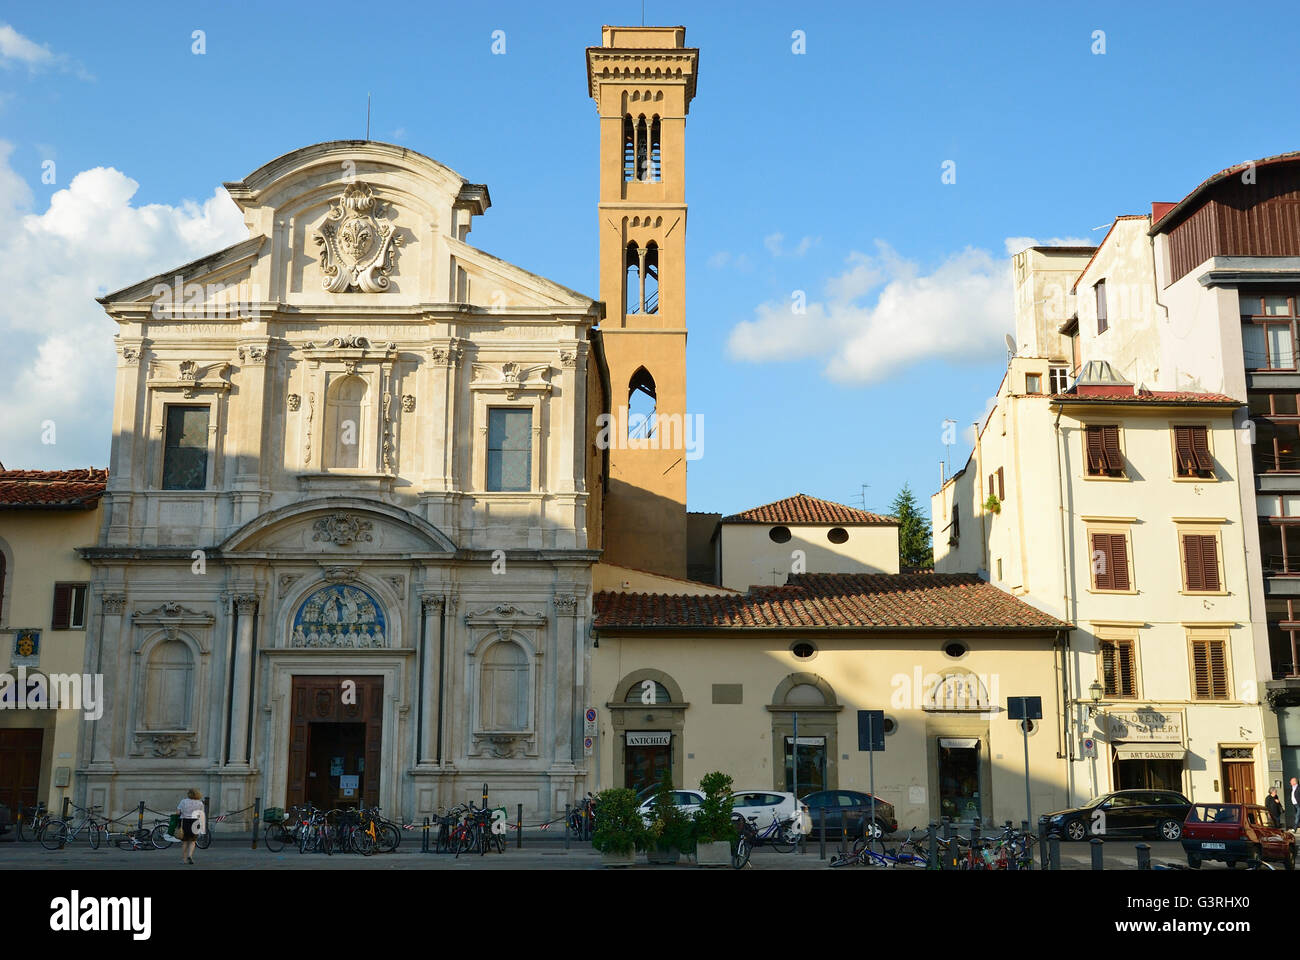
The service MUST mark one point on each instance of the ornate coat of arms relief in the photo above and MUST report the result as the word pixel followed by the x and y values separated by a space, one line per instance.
pixel 357 242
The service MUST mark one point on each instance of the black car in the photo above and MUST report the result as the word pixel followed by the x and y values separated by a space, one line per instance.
pixel 853 803
pixel 1124 813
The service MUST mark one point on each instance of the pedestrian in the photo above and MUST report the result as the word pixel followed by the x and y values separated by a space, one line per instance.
pixel 1295 802
pixel 1274 807
pixel 190 809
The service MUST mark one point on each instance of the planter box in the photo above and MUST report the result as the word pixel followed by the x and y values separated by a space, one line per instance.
pixel 715 854
pixel 618 859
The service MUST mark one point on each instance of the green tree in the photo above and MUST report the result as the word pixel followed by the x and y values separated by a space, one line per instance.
pixel 914 550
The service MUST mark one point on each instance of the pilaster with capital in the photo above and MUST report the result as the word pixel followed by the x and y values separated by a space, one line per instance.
pixel 432 606
pixel 107 663
pixel 246 611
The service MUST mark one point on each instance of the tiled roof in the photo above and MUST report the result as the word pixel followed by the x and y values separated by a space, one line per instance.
pixel 1150 396
pixel 913 601
pixel 51 489
pixel 802 508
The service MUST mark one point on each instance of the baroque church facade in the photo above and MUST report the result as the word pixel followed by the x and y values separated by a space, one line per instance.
pixel 356 494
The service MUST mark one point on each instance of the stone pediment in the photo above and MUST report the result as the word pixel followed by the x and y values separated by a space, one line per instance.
pixel 338 527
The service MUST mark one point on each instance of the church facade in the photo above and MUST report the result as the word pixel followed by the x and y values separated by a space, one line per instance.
pixel 352 509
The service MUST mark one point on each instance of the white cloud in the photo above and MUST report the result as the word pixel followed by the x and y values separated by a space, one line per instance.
pixel 59 360
pixel 775 244
pixel 15 48
pixel 1015 244
pixel 959 310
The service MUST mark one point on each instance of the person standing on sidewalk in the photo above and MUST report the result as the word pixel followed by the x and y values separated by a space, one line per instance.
pixel 1295 802
pixel 1274 807
pixel 190 809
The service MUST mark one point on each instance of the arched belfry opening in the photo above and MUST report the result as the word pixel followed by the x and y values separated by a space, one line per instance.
pixel 641 404
pixel 642 278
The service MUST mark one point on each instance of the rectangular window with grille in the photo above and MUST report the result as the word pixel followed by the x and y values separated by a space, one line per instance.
pixel 1110 561
pixel 510 449
pixel 1118 668
pixel 185 448
pixel 1210 670
pixel 1201 563
pixel 1101 443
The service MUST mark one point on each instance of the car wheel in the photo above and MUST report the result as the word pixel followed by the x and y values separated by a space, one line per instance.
pixel 1170 829
pixel 1290 858
pixel 1194 861
pixel 1076 830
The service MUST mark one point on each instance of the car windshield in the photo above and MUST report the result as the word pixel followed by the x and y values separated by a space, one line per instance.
pixel 1093 802
pixel 1209 813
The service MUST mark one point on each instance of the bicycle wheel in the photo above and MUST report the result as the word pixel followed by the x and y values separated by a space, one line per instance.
pixel 843 861
pixel 387 837
pixel 327 842
pixel 29 829
pixel 157 837
pixel 204 839
pixel 55 835
pixel 93 837
pixel 780 842
pixel 274 837
pixel 740 856
pixel 363 843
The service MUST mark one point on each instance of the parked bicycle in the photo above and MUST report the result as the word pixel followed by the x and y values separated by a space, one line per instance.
pixel 316 833
pixel 32 820
pixel 909 853
pixel 58 832
pixel 479 832
pixel 582 819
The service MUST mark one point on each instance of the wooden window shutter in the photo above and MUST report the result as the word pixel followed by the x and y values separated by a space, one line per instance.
pixel 62 606
pixel 1002 490
pixel 1201 562
pixel 1119 561
pixel 1112 573
pixel 1183 451
pixel 1096 455
pixel 1109 680
pixel 1218 669
pixel 1201 449
pixel 1127 679
pixel 1110 444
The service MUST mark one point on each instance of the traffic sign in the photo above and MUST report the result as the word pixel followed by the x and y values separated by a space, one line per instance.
pixel 587 744
pixel 589 722
pixel 1024 708
pixel 871 730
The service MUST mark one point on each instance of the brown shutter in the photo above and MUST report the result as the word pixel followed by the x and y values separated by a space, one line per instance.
pixel 1110 444
pixel 1210 561
pixel 1200 670
pixel 1201 449
pixel 62 606
pixel 1002 490
pixel 1193 568
pixel 1103 578
pixel 1096 455
pixel 1218 669
pixel 1108 673
pixel 1128 685
pixel 1183 452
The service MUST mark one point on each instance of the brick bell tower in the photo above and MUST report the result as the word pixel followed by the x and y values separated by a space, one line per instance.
pixel 643 81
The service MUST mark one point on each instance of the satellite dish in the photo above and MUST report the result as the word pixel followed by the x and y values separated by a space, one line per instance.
pixel 1011 345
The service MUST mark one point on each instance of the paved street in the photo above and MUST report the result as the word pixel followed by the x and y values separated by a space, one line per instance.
pixel 548 854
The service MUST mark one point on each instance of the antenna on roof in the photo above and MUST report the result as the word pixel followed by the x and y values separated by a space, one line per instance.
pixel 367 116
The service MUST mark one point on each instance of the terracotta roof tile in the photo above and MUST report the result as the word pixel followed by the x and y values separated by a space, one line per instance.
pixel 957 601
pixel 51 489
pixel 802 508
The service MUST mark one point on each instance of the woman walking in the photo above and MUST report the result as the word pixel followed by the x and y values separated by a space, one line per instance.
pixel 1274 807
pixel 190 809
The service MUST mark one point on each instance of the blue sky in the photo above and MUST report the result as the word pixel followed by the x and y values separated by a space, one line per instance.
pixel 818 172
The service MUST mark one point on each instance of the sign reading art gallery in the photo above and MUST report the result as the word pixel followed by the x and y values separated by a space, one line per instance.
pixel 1157 726
pixel 649 738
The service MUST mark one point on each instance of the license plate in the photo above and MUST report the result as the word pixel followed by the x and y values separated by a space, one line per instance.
pixel 1213 846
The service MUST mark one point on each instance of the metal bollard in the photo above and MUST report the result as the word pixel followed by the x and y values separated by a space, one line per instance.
pixel 566 826
pixel 424 837
pixel 1144 856
pixel 519 833
pixel 140 821
pixel 949 860
pixel 206 819
pixel 257 818
pixel 1096 844
pixel 932 836
pixel 975 839
pixel 1054 851
pixel 822 834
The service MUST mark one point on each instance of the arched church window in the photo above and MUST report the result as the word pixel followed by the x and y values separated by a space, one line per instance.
pixel 647 692
pixel 641 404
pixel 650 271
pixel 340 615
pixel 504 691
pixel 344 410
pixel 632 279
pixel 169 686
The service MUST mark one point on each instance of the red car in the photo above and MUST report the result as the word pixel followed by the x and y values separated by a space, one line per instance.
pixel 1235 833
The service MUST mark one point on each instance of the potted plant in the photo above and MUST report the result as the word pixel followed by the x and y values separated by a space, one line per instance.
pixel 620 832
pixel 669 832
pixel 713 831
pixel 993 504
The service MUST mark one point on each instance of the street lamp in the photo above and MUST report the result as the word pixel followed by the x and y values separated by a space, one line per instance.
pixel 1095 691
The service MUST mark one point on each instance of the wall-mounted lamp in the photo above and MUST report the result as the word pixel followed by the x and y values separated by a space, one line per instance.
pixel 1095 690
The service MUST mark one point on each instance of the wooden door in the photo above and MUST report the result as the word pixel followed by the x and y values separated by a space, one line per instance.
pixel 20 768
pixel 322 700
pixel 1239 781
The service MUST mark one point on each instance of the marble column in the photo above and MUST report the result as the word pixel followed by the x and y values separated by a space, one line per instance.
pixel 246 605
pixel 106 663
pixel 566 750
pixel 431 669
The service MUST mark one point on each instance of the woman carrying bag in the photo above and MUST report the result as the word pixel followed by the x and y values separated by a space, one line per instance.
pixel 190 811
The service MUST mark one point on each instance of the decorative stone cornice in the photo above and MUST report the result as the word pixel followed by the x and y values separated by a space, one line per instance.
pixel 511 377
pixel 252 353
pixel 190 379
pixel 246 603
pixel 341 574
pixel 566 605
pixel 432 601
pixel 448 355
pixel 114 604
